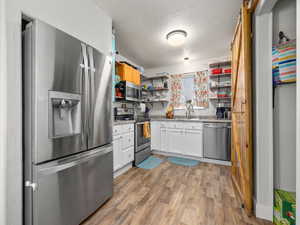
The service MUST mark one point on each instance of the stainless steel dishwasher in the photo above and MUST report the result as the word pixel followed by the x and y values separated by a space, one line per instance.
pixel 217 141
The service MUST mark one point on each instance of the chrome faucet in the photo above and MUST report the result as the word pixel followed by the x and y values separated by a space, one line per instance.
pixel 189 109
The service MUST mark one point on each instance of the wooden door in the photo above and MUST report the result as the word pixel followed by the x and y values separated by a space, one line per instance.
pixel 242 153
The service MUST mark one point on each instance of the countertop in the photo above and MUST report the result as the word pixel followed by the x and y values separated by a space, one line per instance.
pixel 178 119
pixel 196 119
pixel 120 122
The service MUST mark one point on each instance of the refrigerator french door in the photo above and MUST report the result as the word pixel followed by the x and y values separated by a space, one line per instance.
pixel 67 127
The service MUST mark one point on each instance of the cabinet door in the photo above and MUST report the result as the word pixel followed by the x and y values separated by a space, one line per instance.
pixel 117 154
pixel 193 139
pixel 155 136
pixel 164 139
pixel 176 143
pixel 127 140
pixel 128 156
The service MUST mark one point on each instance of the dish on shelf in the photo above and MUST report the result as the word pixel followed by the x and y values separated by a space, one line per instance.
pixel 155 78
pixel 220 75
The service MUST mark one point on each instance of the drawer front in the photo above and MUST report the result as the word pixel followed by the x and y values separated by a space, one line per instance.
pixel 193 126
pixel 117 130
pixel 128 155
pixel 163 124
pixel 121 129
pixel 175 125
pixel 127 140
pixel 128 128
pixel 70 191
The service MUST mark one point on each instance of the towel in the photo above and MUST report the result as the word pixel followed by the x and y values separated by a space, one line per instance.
pixel 146 130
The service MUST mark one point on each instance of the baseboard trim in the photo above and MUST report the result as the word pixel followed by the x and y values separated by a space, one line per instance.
pixel 264 211
pixel 218 162
pixel 122 170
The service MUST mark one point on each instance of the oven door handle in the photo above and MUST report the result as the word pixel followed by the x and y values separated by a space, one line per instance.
pixel 140 123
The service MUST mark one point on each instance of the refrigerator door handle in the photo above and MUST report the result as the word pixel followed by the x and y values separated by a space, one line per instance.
pixel 64 164
pixel 92 87
pixel 85 90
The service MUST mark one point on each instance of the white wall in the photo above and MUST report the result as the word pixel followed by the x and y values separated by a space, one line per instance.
pixel 2 113
pixel 80 18
pixel 284 19
pixel 184 67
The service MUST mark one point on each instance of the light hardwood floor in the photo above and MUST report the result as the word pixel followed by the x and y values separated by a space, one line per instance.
pixel 173 195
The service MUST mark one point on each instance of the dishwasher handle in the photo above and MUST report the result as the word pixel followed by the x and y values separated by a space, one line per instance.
pixel 216 126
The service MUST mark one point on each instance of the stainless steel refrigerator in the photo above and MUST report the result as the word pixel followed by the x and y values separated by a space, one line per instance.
pixel 68 161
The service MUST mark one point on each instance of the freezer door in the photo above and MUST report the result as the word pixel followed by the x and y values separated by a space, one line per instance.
pixel 56 65
pixel 68 191
pixel 100 115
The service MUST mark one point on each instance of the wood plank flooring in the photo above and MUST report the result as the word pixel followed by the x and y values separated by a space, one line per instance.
pixel 173 195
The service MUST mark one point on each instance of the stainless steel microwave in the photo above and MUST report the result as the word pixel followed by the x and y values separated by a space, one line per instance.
pixel 128 91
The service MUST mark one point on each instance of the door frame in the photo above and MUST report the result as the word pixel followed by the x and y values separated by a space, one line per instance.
pixel 263 109
pixel 298 118
pixel 3 102
pixel 263 19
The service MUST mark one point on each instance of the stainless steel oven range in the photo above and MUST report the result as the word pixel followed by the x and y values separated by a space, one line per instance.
pixel 142 144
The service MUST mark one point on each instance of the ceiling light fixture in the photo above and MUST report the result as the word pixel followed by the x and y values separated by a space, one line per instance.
pixel 186 58
pixel 176 37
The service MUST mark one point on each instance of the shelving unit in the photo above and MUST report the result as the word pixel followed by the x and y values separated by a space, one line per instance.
pixel 155 78
pixel 221 81
pixel 150 92
pixel 221 99
pixel 220 87
pixel 220 75
pixel 154 90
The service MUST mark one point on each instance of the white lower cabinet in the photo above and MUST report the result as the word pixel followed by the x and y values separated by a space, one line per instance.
pixel 123 145
pixel 117 159
pixel 155 135
pixel 176 143
pixel 178 137
pixel 128 155
pixel 164 143
pixel 194 142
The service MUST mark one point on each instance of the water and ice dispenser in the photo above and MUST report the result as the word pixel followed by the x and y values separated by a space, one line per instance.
pixel 64 114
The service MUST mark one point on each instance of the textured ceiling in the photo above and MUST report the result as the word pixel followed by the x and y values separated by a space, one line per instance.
pixel 141 27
